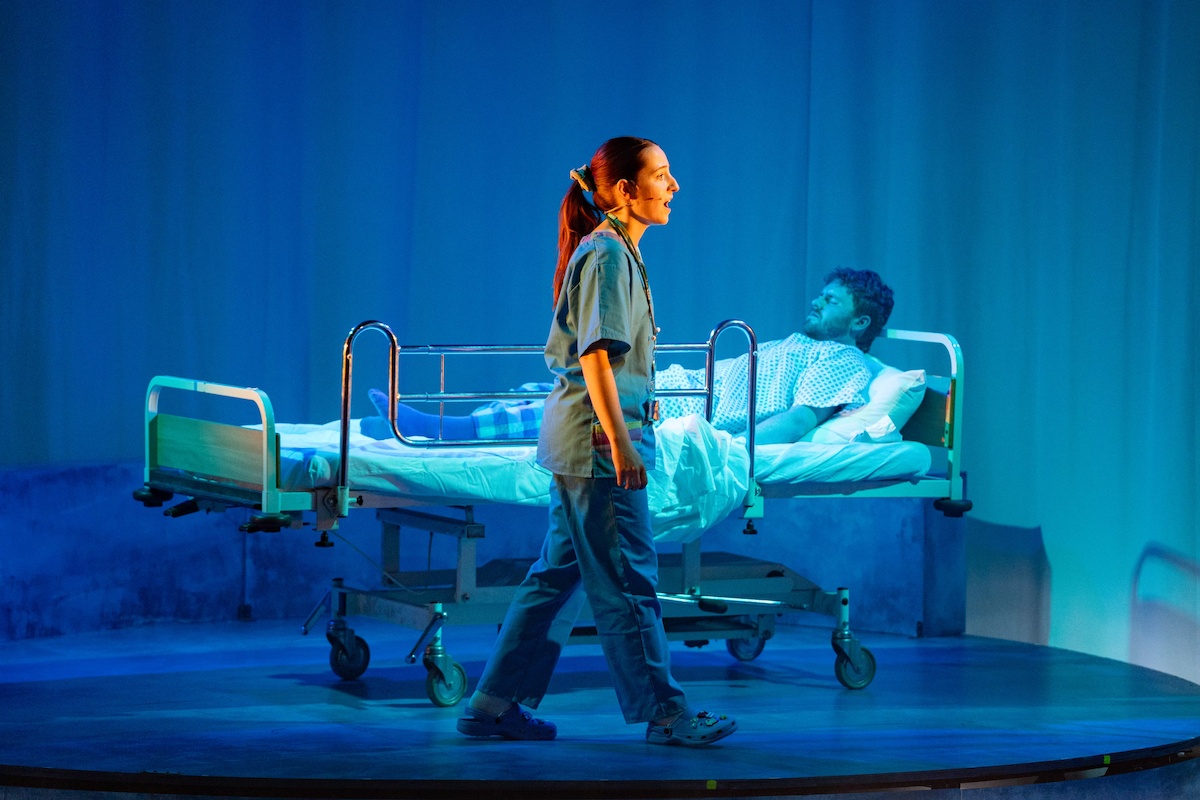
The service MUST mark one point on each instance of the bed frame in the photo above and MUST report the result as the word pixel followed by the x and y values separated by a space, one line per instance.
pixel 717 596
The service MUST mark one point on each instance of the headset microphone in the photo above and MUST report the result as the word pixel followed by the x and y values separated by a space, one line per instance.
pixel 631 202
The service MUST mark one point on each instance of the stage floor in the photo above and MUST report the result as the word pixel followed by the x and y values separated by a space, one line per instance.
pixel 257 700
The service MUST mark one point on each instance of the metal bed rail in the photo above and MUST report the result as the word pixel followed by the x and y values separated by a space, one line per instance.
pixel 753 500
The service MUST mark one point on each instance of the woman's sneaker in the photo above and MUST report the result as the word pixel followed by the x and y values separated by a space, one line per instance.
pixel 512 724
pixel 692 729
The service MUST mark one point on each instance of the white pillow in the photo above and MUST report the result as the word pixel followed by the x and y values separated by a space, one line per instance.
pixel 894 397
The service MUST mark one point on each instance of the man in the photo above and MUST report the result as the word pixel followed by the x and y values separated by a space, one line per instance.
pixel 802 380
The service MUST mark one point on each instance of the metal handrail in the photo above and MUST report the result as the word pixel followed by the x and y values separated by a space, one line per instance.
pixel 751 376
pixel 753 498
pixel 454 397
pixel 395 350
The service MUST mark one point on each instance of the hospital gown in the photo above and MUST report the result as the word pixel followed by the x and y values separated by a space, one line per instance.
pixel 794 371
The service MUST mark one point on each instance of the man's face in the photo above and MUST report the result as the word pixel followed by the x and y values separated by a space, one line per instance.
pixel 831 315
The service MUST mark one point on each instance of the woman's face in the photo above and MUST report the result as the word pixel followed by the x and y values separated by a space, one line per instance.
pixel 651 204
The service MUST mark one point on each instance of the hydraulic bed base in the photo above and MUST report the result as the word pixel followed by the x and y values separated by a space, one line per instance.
pixel 740 599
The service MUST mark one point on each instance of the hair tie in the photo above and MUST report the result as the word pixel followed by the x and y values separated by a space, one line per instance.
pixel 583 176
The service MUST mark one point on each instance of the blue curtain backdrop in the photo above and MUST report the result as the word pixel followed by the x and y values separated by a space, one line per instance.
pixel 221 190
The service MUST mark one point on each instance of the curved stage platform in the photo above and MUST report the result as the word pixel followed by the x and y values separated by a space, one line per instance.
pixel 252 709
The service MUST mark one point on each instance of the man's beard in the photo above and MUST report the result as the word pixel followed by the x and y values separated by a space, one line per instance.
pixel 822 331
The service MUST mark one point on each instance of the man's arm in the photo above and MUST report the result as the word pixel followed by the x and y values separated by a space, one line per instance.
pixel 790 425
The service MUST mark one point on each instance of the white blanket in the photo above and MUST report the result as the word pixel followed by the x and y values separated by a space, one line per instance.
pixel 700 475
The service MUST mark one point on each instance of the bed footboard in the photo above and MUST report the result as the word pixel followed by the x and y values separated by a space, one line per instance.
pixel 211 461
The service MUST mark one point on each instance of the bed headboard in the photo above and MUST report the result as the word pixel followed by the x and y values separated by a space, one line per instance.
pixel 937 422
pixel 928 425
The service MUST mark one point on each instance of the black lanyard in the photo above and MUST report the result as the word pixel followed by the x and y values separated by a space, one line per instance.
pixel 637 257
pixel 651 403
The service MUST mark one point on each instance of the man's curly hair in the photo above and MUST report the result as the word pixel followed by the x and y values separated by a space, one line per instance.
pixel 871 297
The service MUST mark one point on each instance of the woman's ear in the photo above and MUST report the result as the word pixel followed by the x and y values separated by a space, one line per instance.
pixel 627 189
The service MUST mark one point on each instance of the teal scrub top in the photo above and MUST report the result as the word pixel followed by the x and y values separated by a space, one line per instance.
pixel 602 297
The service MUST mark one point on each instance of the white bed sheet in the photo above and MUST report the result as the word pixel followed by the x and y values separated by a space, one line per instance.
pixel 698 480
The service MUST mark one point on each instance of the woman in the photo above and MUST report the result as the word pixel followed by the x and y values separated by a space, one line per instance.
pixel 597 439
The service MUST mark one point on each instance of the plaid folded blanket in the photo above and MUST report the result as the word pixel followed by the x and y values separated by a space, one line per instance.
pixel 511 419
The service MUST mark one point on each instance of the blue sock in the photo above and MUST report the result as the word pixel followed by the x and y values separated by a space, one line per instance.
pixel 417 423
pixel 376 427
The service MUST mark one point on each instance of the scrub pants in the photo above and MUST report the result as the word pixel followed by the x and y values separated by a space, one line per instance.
pixel 599 537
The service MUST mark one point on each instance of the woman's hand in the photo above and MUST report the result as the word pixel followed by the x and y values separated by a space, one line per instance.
pixel 631 471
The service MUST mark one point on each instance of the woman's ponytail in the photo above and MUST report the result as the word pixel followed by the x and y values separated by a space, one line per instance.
pixel 576 219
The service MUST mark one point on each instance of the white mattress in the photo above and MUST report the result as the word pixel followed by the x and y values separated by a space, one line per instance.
pixel 698 479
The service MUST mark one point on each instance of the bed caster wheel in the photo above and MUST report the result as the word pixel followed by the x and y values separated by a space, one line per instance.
pixel 745 649
pixel 151 497
pixel 447 689
pixel 267 523
pixel 346 665
pixel 952 508
pixel 853 678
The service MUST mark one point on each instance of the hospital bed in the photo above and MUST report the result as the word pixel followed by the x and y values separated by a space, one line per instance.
pixel 296 476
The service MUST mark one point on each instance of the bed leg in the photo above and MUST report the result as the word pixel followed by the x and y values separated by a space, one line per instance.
pixel 690 572
pixel 464 576
pixel 843 640
pixel 390 549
